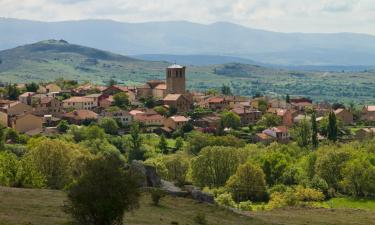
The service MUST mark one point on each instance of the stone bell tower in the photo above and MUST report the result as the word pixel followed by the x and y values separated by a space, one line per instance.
pixel 176 79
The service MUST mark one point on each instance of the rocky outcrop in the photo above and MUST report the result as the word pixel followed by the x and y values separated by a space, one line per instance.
pixel 148 176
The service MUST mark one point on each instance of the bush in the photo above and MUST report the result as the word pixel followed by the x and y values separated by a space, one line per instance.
pixel 156 195
pixel 308 194
pixel 245 206
pixel 278 188
pixel 200 218
pixel 225 200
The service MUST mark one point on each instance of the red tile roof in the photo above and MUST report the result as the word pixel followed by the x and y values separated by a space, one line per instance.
pixel 81 114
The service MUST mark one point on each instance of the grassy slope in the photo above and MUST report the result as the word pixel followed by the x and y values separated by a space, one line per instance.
pixel 43 207
pixel 49 60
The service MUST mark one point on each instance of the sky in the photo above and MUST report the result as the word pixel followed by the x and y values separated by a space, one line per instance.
pixel 309 16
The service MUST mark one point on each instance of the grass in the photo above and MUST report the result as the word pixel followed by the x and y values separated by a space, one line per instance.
pixel 350 203
pixel 43 207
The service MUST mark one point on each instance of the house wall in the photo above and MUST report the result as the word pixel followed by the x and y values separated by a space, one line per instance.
pixel 28 123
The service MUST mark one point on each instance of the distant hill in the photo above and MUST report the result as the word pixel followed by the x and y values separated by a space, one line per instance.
pixel 186 38
pixel 52 59
pixel 196 60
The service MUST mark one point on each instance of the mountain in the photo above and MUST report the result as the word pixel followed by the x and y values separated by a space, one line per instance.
pixel 48 60
pixel 196 60
pixel 186 38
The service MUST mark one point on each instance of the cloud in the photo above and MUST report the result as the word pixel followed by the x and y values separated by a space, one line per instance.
pixel 278 15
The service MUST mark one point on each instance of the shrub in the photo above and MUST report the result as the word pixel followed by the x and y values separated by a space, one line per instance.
pixel 156 195
pixel 308 194
pixel 245 206
pixel 278 188
pixel 225 200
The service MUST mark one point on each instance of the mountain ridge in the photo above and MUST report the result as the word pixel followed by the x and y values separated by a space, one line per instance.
pixel 187 38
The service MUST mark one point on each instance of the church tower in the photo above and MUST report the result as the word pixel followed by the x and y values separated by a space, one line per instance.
pixel 176 79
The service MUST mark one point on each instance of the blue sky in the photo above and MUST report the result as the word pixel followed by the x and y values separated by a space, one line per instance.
pixel 277 15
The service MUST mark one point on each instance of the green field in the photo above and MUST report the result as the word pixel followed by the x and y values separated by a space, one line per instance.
pixel 48 60
pixel 349 203
pixel 44 207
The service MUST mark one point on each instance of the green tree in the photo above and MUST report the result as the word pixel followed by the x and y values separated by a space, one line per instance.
pixel 287 98
pixel 63 126
pixel 314 131
pixel 163 145
pixel 121 100
pixel 109 125
pixel 214 165
pixel 332 129
pixel 358 177
pixel 32 87
pixel 230 120
pixel 329 164
pixel 161 110
pixel 302 133
pixel 269 120
pixel 3 134
pixel 136 151
pixel 179 143
pixel 177 166
pixel 103 192
pixel 274 165
pixel 53 158
pixel 8 169
pixel 225 90
pixel 248 183
pixel 12 92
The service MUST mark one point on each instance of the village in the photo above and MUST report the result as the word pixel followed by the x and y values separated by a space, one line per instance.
pixel 165 107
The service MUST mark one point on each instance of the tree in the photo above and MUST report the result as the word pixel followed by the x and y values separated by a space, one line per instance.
pixel 103 192
pixel 332 129
pixel 230 120
pixel 8 169
pixel 287 98
pixel 179 143
pixel 121 100
pixel 269 120
pixel 302 133
pixel 274 165
pixel 149 102
pixel 248 183
pixel 177 166
pixel 314 131
pixel 161 110
pixel 12 91
pixel 358 177
pixel 225 90
pixel 213 92
pixel 109 125
pixel 163 145
pixel 3 134
pixel 136 151
pixel 63 126
pixel 112 82
pixel 172 111
pixel 32 87
pixel 53 159
pixel 214 165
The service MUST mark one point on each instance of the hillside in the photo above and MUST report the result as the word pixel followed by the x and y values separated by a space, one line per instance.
pixel 44 207
pixel 181 37
pixel 48 60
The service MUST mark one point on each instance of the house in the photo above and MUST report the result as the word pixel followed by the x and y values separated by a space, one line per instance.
pixel 26 97
pixel 301 117
pixel 209 121
pixel 115 89
pixel 96 98
pixel 80 116
pixel 153 88
pixel 365 133
pixel 237 101
pixel 106 102
pixel 279 103
pixel 216 103
pixel 27 123
pixel 150 119
pixel 121 116
pixel 80 103
pixel 279 133
pixel 368 113
pixel 286 115
pixel 344 115
pixel 248 115
pixel 175 122
pixel 179 101
pixel 84 89
pixel 12 109
pixel 48 106
pixel 263 138
pixel 52 87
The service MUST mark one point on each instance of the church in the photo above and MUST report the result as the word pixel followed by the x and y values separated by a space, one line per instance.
pixel 172 91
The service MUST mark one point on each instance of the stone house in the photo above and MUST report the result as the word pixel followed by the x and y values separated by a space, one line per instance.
pixel 175 122
pixel 80 103
pixel 248 115
pixel 178 101
pixel 27 123
pixel 80 116
pixel 344 115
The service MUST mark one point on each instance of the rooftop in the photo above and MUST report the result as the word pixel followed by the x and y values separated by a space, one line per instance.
pixel 175 66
